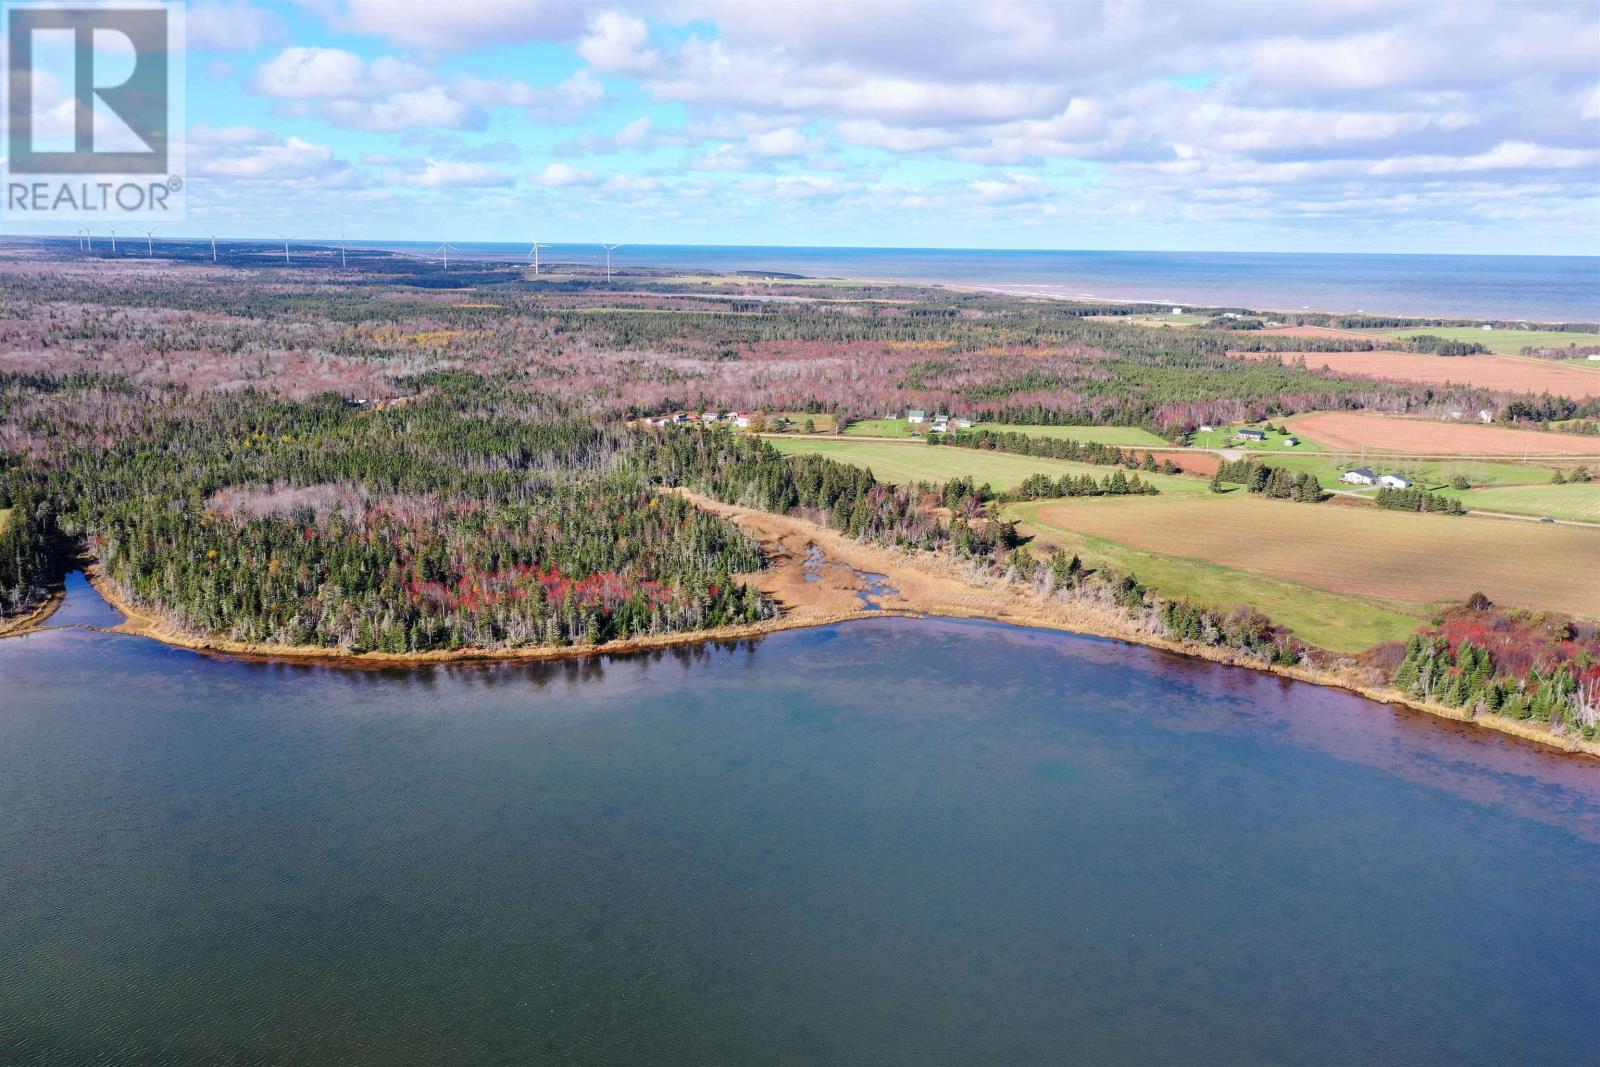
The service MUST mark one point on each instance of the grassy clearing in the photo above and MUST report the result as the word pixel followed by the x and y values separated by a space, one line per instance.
pixel 917 462
pixel 1575 500
pixel 879 428
pixel 1337 622
pixel 5 519
pixel 1503 342
pixel 795 422
pixel 1226 437
pixel 1428 473
pixel 1126 436
pixel 1354 551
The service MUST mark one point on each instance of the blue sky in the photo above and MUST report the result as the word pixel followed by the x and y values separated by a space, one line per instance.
pixel 1409 127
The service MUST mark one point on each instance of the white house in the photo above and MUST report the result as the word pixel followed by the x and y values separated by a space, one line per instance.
pixel 1395 481
pixel 1486 326
pixel 1177 311
pixel 740 419
pixel 1251 435
pixel 1359 476
pixel 1485 416
pixel 1206 429
pixel 963 423
pixel 916 417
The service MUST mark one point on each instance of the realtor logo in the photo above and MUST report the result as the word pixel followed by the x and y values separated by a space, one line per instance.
pixel 94 111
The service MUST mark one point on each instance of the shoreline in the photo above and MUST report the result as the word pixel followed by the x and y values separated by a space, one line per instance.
pixel 816 590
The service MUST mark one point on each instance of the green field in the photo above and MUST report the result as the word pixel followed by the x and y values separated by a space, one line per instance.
pixel 878 428
pixel 1504 342
pixel 1574 500
pixel 1334 621
pixel 1428 473
pixel 1223 437
pixel 5 519
pixel 917 462
pixel 1126 436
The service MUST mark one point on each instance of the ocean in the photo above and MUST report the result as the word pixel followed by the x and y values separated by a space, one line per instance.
pixel 1537 288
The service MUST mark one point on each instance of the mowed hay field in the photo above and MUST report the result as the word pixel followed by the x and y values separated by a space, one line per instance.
pixel 1577 500
pixel 1126 436
pixel 1419 559
pixel 890 461
pixel 1351 431
pixel 1508 373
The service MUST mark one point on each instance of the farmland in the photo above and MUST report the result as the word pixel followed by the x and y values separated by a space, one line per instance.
pixel 1126 436
pixel 879 428
pixel 1335 621
pixel 1429 473
pixel 1353 431
pixel 1420 559
pixel 1503 342
pixel 1504 373
pixel 1577 501
pixel 917 462
pixel 1225 437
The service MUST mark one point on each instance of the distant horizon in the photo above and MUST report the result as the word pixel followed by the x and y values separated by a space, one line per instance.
pixel 381 243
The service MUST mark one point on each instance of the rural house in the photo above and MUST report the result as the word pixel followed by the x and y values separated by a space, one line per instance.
pixel 1359 476
pixel 1251 435
pixel 916 417
pixel 1395 481
pixel 1290 442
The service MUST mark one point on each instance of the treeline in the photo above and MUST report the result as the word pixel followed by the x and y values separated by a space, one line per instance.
pixel 1053 448
pixel 27 526
pixel 1277 483
pixel 1562 693
pixel 1064 577
pixel 1416 499
pixel 739 469
pixel 1042 486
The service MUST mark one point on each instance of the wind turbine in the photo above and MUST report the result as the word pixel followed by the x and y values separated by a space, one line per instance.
pixel 113 242
pixel 213 248
pixel 285 249
pixel 533 254
pixel 342 262
pixel 149 244
pixel 608 249
pixel 445 247
pixel 88 240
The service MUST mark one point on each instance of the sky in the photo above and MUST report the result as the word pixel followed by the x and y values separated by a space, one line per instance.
pixel 1347 127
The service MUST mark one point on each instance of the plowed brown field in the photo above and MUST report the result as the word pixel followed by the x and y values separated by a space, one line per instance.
pixel 1353 430
pixel 1506 373
pixel 1395 555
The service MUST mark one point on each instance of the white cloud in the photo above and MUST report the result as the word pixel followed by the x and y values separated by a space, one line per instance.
pixel 230 26
pixel 446 174
pixel 458 24
pixel 785 142
pixel 427 108
pixel 561 174
pixel 617 43
pixel 247 154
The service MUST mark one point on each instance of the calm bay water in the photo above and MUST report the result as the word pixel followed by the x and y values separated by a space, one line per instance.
pixel 887 842
pixel 1542 288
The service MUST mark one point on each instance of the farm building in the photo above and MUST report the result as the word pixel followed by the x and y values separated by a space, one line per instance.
pixel 1395 481
pixel 1485 416
pixel 1251 435
pixel 916 417
pixel 1290 442
pixel 961 423
pixel 1359 476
